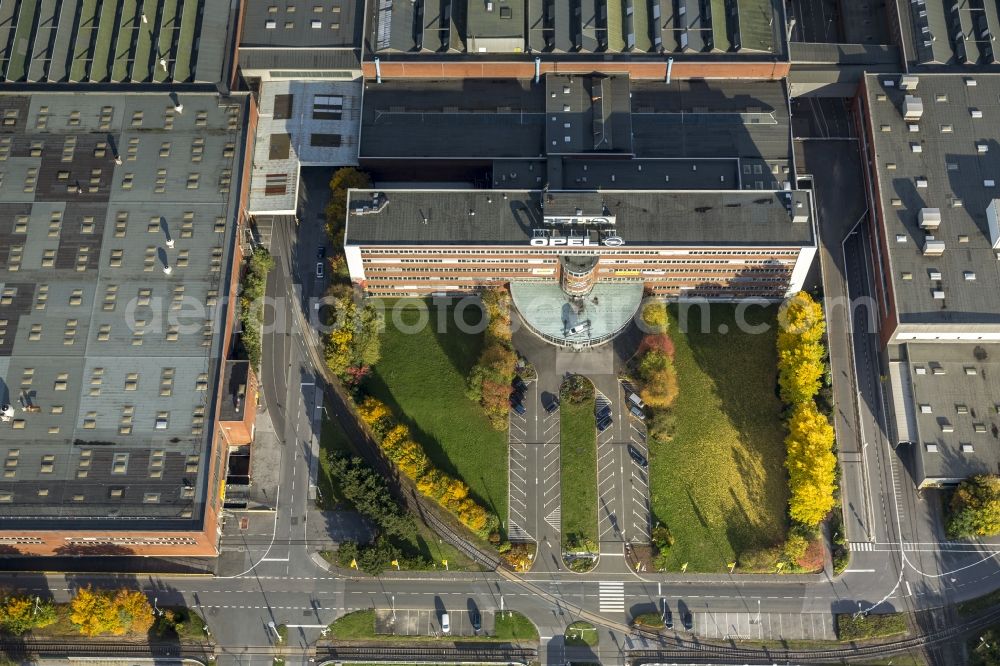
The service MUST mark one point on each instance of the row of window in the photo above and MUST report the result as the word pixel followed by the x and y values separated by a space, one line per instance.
pixel 105 117
pixel 533 251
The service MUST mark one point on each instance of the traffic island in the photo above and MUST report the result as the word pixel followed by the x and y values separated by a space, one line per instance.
pixel 581 634
pixel 426 625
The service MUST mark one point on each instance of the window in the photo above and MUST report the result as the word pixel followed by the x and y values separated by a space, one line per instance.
pixel 325 140
pixel 283 106
pixel 276 184
pixel 328 107
pixel 279 147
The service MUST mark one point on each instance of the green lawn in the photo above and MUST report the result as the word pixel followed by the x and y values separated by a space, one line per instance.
pixel 512 626
pixel 582 634
pixel 851 628
pixel 359 624
pixel 422 377
pixel 578 478
pixel 720 483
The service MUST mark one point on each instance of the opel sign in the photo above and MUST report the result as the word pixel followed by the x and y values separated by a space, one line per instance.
pixel 577 241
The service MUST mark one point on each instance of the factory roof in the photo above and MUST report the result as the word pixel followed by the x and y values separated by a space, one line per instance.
pixel 945 159
pixel 641 218
pixel 172 41
pixel 289 24
pixel 506 118
pixel 955 393
pixel 736 29
pixel 117 230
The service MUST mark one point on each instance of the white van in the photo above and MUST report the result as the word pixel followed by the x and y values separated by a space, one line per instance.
pixel 636 400
pixel 445 624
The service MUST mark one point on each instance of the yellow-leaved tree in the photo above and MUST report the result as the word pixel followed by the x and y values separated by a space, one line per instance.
pixel 811 464
pixel 94 613
pixel 800 348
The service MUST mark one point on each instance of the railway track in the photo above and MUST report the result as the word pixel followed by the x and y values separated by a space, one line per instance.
pixel 466 653
pixel 94 647
pixel 712 653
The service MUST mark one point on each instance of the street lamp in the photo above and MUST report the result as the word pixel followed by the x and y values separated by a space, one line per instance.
pixel 37 601
pixel 156 609
pixel 394 608
pixel 277 636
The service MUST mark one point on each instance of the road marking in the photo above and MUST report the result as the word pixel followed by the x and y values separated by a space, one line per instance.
pixel 274 559
pixel 611 596
pixel 859 571
pixel 860 545
pixel 554 519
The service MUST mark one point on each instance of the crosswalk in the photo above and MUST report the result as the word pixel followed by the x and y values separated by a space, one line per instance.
pixel 611 596
pixel 554 519
pixel 860 545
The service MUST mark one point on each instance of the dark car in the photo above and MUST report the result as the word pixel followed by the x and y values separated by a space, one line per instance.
pixel 604 424
pixel 320 252
pixel 552 405
pixel 516 404
pixel 637 456
pixel 603 412
pixel 668 618
pixel 476 621
pixel 687 620
pixel 519 385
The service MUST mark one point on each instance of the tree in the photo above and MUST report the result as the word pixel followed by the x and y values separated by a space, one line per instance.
pixel 800 320
pixel 94 612
pixel 19 614
pixel 490 380
pixel 811 465
pixel 134 611
pixel 251 302
pixel 658 379
pixel 336 210
pixel 975 507
pixel 654 316
pixel 354 339
pixel 800 348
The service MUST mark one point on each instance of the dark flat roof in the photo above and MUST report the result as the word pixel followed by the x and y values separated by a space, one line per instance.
pixel 513 118
pixel 644 218
pixel 302 25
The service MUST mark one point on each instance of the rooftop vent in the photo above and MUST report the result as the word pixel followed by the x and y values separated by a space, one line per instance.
pixel 913 107
pixel 908 82
pixel 938 295
pixel 930 218
pixel 933 247
pixel 975 113
pixel 930 447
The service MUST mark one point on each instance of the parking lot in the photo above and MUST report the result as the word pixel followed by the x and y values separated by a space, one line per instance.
pixel 533 481
pixel 622 483
pixel 427 622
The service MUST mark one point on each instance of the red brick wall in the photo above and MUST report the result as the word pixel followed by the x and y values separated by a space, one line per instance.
pixel 463 69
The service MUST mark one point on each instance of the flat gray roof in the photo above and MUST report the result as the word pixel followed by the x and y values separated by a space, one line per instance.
pixel 643 218
pixel 956 394
pixel 514 118
pixel 572 173
pixel 110 363
pixel 940 166
pixel 170 41
pixel 288 24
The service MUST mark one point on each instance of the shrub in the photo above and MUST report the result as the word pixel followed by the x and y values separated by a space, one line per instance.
pixel 18 614
pixel 795 547
pixel 662 538
pixel 651 620
pixel 576 389
pixel 115 612
pixel 336 209
pixel 661 425
pixel 975 507
pixel 853 628
pixel 654 316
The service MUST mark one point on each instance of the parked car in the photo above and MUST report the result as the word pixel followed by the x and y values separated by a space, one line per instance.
pixel 687 620
pixel 636 400
pixel 518 407
pixel 668 618
pixel 319 270
pixel 636 412
pixel 476 621
pixel 445 624
pixel 604 424
pixel 552 405
pixel 519 385
pixel 637 456
pixel 321 252
pixel 603 412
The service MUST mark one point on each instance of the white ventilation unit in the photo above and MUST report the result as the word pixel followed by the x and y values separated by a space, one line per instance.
pixel 908 82
pixel 933 247
pixel 913 108
pixel 930 218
